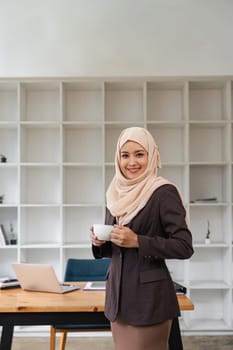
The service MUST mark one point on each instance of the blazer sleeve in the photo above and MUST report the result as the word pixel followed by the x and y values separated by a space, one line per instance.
pixel 175 239
pixel 105 251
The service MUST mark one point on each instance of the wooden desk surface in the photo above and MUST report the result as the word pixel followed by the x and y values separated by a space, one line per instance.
pixel 18 300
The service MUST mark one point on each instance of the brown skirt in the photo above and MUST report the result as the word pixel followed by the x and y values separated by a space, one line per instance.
pixel 128 337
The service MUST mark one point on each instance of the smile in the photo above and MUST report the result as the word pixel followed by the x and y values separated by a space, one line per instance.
pixel 133 170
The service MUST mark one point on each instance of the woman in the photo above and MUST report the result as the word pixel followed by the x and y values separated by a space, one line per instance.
pixel 149 227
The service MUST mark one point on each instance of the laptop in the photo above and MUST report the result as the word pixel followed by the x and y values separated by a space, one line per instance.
pixel 40 278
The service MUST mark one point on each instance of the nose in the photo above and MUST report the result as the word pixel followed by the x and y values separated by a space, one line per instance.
pixel 132 160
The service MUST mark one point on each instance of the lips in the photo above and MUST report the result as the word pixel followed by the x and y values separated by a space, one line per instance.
pixel 133 170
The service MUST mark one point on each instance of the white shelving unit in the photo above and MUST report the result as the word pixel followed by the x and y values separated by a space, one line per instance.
pixel 59 138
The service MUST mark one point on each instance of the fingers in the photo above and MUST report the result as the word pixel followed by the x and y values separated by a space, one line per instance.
pixel 124 237
pixel 94 240
pixel 119 235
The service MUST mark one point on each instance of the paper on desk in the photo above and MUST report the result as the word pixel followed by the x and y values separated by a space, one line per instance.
pixel 95 285
pixel 7 282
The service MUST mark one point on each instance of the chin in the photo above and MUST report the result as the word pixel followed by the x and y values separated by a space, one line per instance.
pixel 132 176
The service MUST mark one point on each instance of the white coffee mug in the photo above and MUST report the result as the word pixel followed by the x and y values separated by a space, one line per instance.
pixel 102 232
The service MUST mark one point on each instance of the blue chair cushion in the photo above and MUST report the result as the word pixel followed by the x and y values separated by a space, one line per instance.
pixel 86 269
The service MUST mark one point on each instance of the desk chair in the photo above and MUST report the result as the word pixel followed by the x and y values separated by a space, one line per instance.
pixel 81 270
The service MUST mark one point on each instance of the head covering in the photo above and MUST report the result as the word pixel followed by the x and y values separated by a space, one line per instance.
pixel 126 197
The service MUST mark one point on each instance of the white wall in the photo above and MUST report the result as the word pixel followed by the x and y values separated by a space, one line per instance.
pixel 115 37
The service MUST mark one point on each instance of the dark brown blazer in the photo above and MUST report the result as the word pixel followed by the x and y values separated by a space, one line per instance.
pixel 139 285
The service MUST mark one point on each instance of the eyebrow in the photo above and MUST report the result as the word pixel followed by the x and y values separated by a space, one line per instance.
pixel 138 150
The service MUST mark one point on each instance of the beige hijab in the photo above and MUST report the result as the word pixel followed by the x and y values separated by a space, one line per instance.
pixel 126 197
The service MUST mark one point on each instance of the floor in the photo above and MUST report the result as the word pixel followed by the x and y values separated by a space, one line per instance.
pixel 105 343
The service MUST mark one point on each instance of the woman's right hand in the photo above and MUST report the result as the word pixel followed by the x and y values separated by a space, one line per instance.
pixel 94 240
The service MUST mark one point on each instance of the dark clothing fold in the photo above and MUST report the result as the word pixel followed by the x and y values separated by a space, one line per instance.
pixel 139 285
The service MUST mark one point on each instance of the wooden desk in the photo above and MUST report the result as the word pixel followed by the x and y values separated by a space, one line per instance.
pixel 19 307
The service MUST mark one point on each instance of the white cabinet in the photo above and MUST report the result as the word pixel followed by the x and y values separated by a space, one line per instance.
pixel 59 138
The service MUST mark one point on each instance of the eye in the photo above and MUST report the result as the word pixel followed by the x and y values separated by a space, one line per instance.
pixel 140 154
pixel 124 155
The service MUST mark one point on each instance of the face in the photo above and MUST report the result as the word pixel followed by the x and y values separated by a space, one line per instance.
pixel 133 159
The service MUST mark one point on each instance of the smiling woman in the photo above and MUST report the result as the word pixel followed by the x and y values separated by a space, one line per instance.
pixel 137 160
pixel 149 226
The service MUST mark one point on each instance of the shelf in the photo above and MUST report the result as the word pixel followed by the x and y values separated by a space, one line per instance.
pixel 77 181
pixel 34 150
pixel 8 256
pixel 208 284
pixel 219 220
pixel 77 222
pixel 47 189
pixel 124 101
pixel 210 204
pixel 211 310
pixel 82 144
pixel 176 136
pixel 8 143
pixel 40 225
pixel 8 102
pixel 211 245
pixel 82 101
pixel 208 143
pixel 109 173
pixel 207 324
pixel 9 246
pixel 40 101
pixel 176 174
pixel 73 246
pixel 9 184
pixel 209 181
pixel 59 137
pixel 165 102
pixel 176 269
pixel 207 100
pixel 210 262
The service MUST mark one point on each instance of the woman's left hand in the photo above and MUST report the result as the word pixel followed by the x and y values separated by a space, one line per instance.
pixel 124 237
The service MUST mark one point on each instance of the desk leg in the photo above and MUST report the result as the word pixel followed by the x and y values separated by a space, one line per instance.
pixel 175 340
pixel 6 337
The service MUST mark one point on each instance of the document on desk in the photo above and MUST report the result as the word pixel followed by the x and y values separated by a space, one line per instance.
pixel 8 282
pixel 95 285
